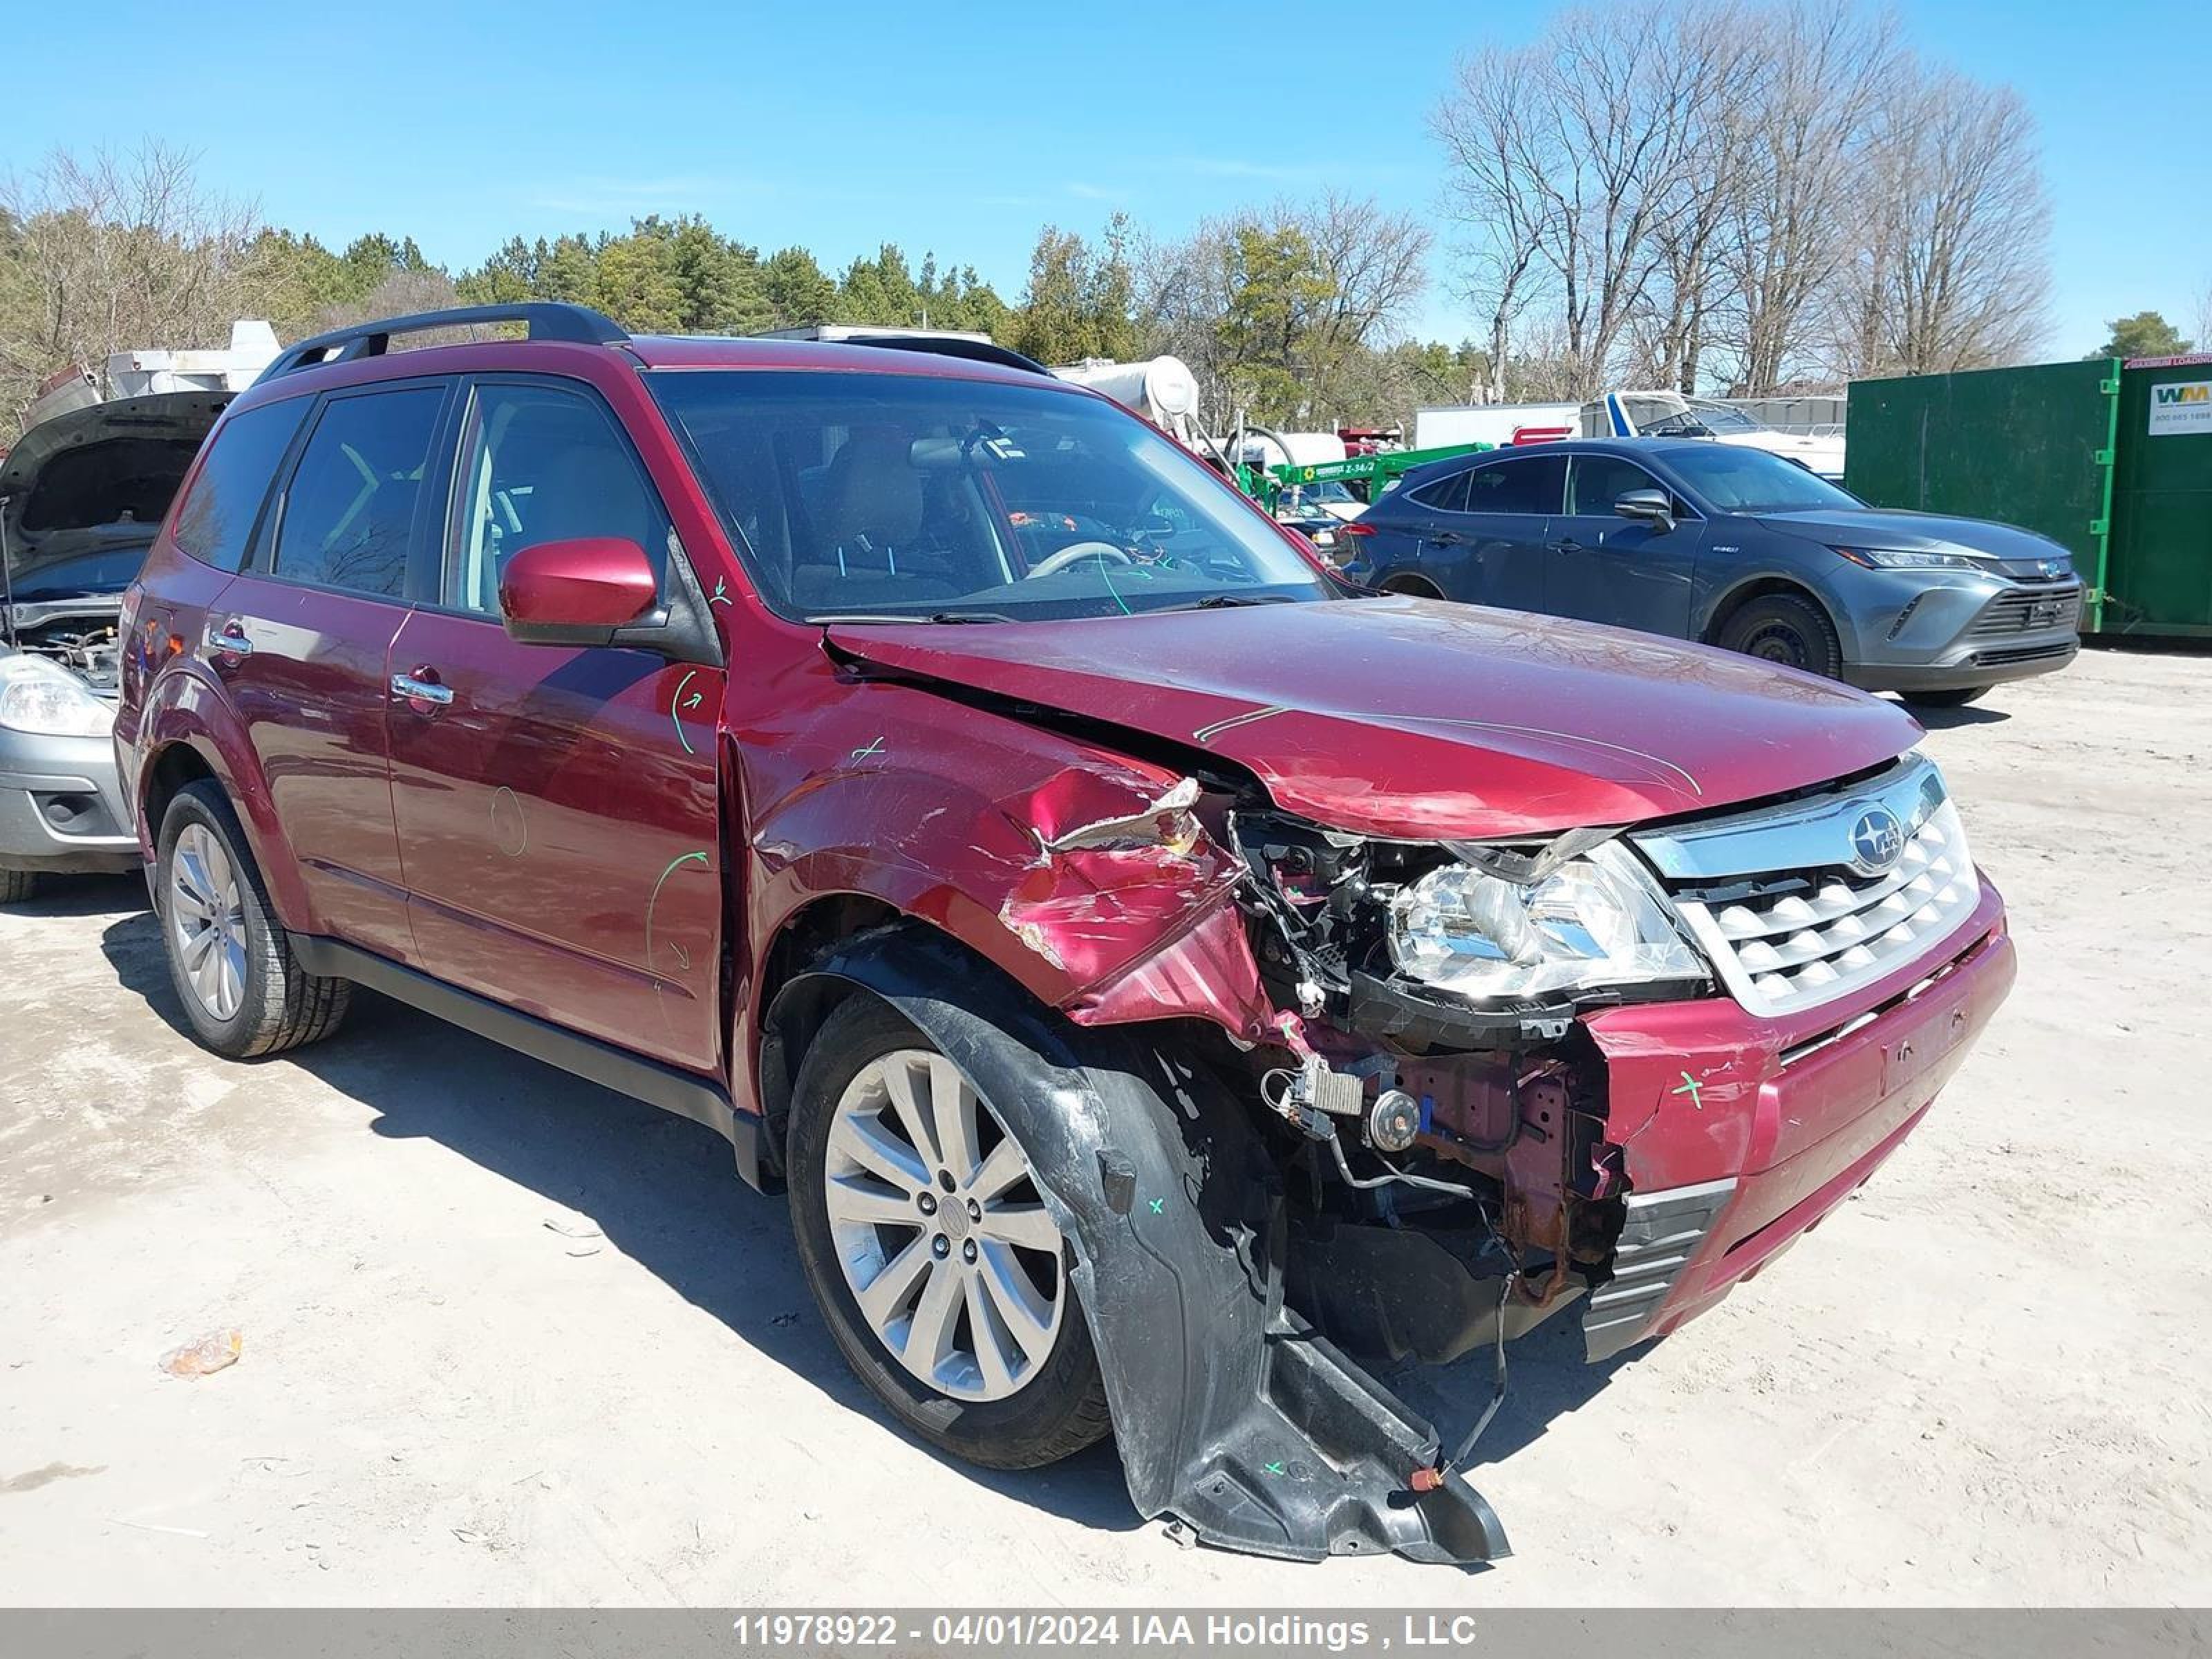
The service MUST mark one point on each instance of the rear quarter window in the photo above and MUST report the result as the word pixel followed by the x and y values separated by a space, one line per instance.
pixel 215 521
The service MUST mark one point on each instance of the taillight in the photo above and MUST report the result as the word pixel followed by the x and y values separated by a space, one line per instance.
pixel 1356 528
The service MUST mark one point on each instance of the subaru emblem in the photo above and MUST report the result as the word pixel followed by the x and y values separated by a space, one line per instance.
pixel 1877 841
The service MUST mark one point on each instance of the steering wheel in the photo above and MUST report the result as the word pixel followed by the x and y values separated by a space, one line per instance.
pixel 1052 563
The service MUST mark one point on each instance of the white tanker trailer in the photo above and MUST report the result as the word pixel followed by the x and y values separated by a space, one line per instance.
pixel 1161 389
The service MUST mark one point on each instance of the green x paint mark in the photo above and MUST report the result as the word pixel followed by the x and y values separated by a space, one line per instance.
pixel 1273 1468
pixel 1159 1206
pixel 1692 1088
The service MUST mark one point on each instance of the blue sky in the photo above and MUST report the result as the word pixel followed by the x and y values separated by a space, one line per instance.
pixel 963 126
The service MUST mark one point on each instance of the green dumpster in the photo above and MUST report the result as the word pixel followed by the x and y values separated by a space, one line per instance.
pixel 2112 461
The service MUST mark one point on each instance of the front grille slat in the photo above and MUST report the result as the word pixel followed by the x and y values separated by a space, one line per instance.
pixel 2015 612
pixel 1821 932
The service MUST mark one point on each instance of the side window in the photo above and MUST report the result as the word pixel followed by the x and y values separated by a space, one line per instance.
pixel 215 521
pixel 350 512
pixel 542 464
pixel 1596 482
pixel 1531 484
pixel 1445 495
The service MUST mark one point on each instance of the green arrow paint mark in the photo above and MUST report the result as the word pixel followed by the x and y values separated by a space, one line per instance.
pixel 650 903
pixel 1692 1088
pixel 721 593
pixel 677 700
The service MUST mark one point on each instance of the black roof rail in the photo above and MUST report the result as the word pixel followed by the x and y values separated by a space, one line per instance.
pixel 548 319
pixel 899 339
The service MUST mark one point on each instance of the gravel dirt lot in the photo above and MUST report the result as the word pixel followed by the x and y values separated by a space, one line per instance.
pixel 510 1338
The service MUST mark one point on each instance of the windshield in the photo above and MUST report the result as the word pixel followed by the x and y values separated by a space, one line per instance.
pixel 1734 480
pixel 905 495
pixel 1723 417
pixel 1312 498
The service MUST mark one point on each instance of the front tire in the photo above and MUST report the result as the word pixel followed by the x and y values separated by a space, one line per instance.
pixel 1786 631
pixel 243 990
pixel 16 885
pixel 937 1267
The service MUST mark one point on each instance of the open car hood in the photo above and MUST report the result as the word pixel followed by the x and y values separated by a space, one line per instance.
pixel 101 478
pixel 1418 720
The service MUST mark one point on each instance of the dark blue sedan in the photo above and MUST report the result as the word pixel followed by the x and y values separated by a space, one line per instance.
pixel 1735 547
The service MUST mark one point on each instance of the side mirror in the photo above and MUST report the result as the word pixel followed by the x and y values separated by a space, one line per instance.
pixel 576 592
pixel 1651 506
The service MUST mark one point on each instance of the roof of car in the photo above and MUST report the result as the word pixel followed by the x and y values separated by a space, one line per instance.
pixel 561 327
pixel 718 351
pixel 1628 447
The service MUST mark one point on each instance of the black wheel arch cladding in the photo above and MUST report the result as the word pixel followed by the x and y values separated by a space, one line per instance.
pixel 1231 1414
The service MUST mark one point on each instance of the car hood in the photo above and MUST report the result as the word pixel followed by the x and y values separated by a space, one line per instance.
pixel 2013 551
pixel 1419 720
pixel 99 479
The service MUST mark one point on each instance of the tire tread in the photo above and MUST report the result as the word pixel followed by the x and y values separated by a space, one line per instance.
pixel 297 1007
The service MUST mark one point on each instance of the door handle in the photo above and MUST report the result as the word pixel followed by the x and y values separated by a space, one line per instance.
pixel 1568 545
pixel 230 640
pixel 1447 538
pixel 420 693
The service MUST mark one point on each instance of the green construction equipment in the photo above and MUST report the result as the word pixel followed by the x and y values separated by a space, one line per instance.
pixel 1378 473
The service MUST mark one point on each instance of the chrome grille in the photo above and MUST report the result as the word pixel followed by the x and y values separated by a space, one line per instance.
pixel 1789 917
pixel 2028 611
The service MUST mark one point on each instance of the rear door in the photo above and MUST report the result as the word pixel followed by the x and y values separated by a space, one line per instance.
pixel 1628 571
pixel 1496 546
pixel 300 638
pixel 556 806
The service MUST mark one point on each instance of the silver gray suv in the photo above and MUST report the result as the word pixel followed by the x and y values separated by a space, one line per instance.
pixel 1735 547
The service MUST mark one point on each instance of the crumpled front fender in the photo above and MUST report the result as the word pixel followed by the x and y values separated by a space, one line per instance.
pixel 1231 1412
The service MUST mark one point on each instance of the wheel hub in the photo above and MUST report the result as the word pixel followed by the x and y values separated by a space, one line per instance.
pixel 953 1260
pixel 207 921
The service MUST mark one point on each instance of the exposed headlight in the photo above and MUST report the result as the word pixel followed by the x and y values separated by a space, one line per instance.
pixel 38 697
pixel 1594 921
pixel 1905 558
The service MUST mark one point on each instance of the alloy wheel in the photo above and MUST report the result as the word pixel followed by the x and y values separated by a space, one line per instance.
pixel 206 921
pixel 952 1258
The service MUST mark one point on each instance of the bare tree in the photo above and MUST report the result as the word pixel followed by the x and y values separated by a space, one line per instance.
pixel 1717 190
pixel 110 251
pixel 1800 217
pixel 1955 272
pixel 1734 58
pixel 1577 148
pixel 1483 125
pixel 1279 311
pixel 1375 266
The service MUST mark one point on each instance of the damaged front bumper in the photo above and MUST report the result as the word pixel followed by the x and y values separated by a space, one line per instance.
pixel 1778 1130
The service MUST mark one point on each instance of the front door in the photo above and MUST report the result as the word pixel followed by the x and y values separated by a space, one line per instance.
pixel 1603 567
pixel 557 807
pixel 299 639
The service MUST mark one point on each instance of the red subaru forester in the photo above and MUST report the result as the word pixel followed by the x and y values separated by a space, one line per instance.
pixel 1157 972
